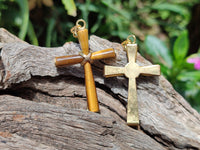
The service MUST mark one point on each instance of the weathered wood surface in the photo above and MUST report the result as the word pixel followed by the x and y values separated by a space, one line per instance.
pixel 44 107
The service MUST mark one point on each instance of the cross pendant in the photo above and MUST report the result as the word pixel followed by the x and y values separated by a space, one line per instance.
pixel 132 70
pixel 85 59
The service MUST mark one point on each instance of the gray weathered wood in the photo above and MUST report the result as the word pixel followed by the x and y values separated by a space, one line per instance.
pixel 44 107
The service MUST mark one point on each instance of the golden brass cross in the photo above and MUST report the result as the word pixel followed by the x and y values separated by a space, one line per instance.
pixel 132 70
pixel 85 59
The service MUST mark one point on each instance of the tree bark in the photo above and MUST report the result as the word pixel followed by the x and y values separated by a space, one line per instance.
pixel 44 107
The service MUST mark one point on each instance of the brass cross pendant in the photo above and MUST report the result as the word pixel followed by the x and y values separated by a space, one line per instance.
pixel 85 58
pixel 131 71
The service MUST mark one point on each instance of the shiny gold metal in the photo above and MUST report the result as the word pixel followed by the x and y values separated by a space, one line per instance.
pixel 85 58
pixel 131 71
pixel 78 27
pixel 128 41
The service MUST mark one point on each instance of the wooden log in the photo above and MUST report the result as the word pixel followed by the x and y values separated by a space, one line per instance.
pixel 44 107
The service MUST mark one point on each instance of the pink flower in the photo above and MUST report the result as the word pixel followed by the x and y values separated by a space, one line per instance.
pixel 195 61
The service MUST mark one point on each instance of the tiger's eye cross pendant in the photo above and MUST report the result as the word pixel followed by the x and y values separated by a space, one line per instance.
pixel 132 70
pixel 85 58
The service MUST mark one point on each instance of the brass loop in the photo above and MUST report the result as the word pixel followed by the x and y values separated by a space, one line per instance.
pixel 124 44
pixel 129 41
pixel 79 27
pixel 74 31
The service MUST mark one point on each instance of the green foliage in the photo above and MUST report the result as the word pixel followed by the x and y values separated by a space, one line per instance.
pixel 182 75
pixel 70 7
pixel 158 50
pixel 31 34
pixel 181 46
pixel 108 16
pixel 189 76
pixel 191 87
pixel 172 15
pixel 14 15
pixel 51 24
pixel 112 19
pixel 24 14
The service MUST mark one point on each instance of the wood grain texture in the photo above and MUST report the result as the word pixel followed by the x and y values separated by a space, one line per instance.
pixel 44 107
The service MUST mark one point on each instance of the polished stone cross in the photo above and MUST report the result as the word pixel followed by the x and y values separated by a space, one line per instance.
pixel 85 58
pixel 132 70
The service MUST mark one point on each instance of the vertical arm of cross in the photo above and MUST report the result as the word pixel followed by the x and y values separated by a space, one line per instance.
pixel 131 52
pixel 91 93
pixel 132 106
pixel 132 71
pixel 83 40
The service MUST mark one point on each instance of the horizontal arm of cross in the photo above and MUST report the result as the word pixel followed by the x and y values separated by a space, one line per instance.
pixel 111 71
pixel 68 60
pixel 75 59
pixel 150 70
pixel 103 54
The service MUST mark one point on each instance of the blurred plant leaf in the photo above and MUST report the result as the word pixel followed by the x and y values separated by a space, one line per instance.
pixel 197 107
pixel 171 7
pixel 23 4
pixel 70 7
pixel 3 6
pixel 158 50
pixel 116 9
pixel 194 55
pixel 164 70
pixel 31 34
pixel 97 24
pixel 51 24
pixel 86 8
pixel 189 76
pixel 181 46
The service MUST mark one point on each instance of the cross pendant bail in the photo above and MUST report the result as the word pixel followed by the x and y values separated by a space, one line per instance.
pixel 131 70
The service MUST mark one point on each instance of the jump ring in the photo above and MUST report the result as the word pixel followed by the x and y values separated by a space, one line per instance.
pixel 134 39
pixel 79 26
